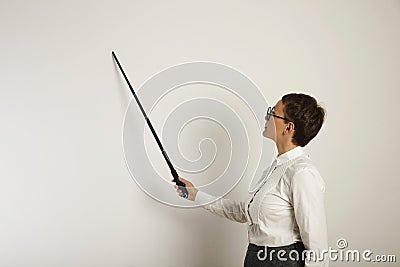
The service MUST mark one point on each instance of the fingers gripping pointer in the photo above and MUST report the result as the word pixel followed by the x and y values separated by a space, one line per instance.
pixel 192 191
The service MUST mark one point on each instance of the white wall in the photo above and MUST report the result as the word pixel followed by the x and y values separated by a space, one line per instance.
pixel 66 197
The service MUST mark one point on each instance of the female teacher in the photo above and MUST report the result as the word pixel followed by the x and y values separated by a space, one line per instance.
pixel 285 214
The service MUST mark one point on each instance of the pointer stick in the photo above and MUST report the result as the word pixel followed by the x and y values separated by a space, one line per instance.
pixel 180 184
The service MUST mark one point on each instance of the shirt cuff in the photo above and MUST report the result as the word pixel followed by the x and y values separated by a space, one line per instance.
pixel 203 198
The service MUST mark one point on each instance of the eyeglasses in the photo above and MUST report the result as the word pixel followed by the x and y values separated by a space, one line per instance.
pixel 271 112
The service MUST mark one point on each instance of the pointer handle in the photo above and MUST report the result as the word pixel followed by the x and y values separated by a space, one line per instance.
pixel 180 184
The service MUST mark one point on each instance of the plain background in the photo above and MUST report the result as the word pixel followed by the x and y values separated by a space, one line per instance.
pixel 66 197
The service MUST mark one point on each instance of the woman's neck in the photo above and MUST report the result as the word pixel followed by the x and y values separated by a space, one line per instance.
pixel 282 148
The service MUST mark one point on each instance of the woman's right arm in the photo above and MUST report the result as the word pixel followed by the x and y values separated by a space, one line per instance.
pixel 227 208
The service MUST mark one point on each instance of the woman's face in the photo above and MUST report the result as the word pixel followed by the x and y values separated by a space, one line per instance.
pixel 274 126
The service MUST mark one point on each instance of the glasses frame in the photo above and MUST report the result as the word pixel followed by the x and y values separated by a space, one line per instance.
pixel 270 112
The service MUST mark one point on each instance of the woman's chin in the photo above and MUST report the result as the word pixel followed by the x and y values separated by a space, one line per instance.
pixel 268 135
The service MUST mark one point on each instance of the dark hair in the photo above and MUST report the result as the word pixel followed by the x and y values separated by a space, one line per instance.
pixel 306 114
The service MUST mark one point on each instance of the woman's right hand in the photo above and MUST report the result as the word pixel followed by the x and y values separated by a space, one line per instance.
pixel 192 191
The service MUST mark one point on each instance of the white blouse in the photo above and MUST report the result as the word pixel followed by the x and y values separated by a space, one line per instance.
pixel 288 205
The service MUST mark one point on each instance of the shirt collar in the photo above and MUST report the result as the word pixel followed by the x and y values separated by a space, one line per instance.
pixel 289 155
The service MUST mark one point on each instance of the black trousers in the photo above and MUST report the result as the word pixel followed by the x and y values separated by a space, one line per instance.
pixel 288 256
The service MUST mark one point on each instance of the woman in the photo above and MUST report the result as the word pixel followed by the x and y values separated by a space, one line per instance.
pixel 285 214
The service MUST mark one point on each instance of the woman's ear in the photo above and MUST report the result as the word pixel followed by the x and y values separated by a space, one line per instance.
pixel 290 127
